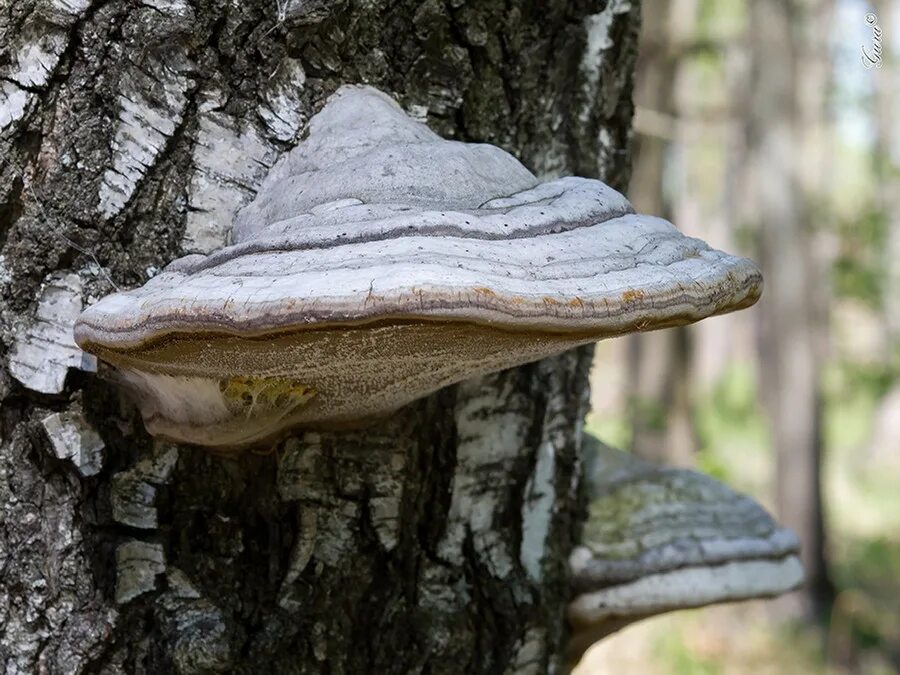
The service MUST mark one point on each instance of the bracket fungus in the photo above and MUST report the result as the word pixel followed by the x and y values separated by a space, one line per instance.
pixel 380 263
pixel 659 539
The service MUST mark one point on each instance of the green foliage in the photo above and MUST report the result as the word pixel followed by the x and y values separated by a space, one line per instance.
pixel 732 433
pixel 725 18
pixel 859 269
pixel 673 650
pixel 612 430
pixel 747 236
pixel 648 413
pixel 865 617
pixel 852 393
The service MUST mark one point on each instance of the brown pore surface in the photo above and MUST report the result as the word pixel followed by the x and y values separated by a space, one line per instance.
pixel 357 370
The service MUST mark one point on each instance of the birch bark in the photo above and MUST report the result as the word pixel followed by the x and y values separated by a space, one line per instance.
pixel 434 542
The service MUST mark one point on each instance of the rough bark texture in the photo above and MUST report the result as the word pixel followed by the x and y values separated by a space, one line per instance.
pixel 434 542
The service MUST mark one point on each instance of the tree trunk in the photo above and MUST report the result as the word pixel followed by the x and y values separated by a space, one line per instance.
pixel 790 310
pixel 659 362
pixel 435 541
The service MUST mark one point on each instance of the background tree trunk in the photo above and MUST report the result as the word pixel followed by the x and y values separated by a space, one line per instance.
pixel 659 362
pixel 433 542
pixel 791 310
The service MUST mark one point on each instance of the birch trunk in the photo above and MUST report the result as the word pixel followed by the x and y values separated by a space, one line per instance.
pixel 433 542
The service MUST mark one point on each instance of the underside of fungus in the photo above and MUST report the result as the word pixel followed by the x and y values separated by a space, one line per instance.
pixel 659 539
pixel 379 263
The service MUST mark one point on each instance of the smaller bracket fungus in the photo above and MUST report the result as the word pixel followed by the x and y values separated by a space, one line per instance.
pixel 659 539
pixel 380 263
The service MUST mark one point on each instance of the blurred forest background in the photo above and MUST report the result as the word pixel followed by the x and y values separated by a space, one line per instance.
pixel 761 129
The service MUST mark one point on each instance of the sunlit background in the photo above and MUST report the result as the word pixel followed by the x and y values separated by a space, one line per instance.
pixel 761 129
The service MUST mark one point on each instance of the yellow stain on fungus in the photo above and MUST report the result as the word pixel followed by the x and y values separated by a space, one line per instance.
pixel 481 290
pixel 265 394
pixel 576 302
pixel 632 296
pixel 549 301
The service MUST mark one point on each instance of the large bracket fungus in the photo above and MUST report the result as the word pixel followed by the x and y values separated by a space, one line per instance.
pixel 659 539
pixel 379 263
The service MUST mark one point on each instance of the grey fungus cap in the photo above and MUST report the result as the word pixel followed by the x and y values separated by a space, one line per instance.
pixel 659 539
pixel 379 263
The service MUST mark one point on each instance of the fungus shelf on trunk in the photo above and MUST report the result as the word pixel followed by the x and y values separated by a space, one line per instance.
pixel 379 263
pixel 659 539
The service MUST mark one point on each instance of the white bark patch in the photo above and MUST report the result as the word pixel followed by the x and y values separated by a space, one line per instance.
pixel 337 526
pixel 158 468
pixel 73 7
pixel 490 436
pixel 74 439
pixel 297 465
pixel 301 553
pixel 330 514
pixel 138 563
pixel 537 511
pixel 133 492
pixel 230 162
pixel 174 8
pixel 180 585
pixel 281 108
pixel 43 351
pixel 329 534
pixel 529 653
pixel 35 60
pixel 35 50
pixel 150 109
pixel 306 12
pixel 384 505
pixel 598 28
pixel 133 501
pixel 13 101
pixel 540 498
